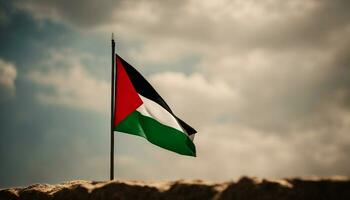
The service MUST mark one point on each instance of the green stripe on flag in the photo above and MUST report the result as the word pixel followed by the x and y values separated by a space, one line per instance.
pixel 157 133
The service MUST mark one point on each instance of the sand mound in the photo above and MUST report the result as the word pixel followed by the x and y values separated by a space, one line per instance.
pixel 245 189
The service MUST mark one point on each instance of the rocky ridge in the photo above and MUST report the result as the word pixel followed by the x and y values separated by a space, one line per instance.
pixel 246 188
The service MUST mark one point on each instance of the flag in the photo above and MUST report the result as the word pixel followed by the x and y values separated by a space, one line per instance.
pixel 140 110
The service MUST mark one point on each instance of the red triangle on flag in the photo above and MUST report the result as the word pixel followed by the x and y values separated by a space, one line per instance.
pixel 127 100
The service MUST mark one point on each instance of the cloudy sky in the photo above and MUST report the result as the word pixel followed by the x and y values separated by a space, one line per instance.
pixel 265 83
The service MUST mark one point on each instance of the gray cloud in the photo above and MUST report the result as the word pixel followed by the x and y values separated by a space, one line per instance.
pixel 238 24
pixel 77 13
pixel 72 83
pixel 270 90
pixel 243 24
pixel 8 75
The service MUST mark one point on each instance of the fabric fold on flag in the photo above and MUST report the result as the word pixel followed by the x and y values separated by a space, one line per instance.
pixel 141 111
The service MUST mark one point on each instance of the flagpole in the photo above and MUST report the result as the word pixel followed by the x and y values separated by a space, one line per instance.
pixel 112 111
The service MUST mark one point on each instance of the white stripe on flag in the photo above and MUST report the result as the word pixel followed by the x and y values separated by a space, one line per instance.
pixel 152 109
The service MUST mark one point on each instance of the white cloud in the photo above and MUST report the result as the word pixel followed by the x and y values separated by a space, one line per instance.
pixel 71 86
pixel 192 96
pixel 167 50
pixel 269 94
pixel 8 75
pixel 229 150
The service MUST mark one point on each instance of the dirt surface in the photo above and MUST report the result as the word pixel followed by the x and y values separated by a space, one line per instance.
pixel 337 188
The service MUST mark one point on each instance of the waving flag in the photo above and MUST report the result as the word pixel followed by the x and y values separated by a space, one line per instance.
pixel 140 110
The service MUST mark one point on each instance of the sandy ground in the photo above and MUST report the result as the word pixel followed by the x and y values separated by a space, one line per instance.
pixel 337 188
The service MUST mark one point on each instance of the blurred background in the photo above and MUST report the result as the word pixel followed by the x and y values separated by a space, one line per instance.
pixel 265 83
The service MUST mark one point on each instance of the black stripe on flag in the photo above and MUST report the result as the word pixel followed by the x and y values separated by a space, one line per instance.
pixel 144 88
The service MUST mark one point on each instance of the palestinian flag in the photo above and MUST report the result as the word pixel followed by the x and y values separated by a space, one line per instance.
pixel 140 110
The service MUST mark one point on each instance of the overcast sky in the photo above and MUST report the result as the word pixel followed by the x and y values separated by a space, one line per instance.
pixel 265 83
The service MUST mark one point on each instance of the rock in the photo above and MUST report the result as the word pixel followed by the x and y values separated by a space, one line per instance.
pixel 244 189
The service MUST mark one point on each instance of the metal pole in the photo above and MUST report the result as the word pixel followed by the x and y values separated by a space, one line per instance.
pixel 112 111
